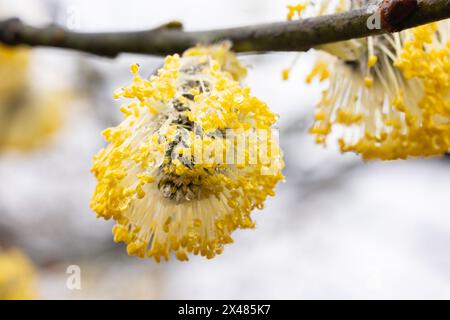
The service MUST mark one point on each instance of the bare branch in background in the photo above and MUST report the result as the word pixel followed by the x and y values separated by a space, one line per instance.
pixel 299 35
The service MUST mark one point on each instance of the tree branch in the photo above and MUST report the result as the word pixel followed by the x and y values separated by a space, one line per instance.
pixel 282 36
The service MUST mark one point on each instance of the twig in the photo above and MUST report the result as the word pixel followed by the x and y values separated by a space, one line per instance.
pixel 282 36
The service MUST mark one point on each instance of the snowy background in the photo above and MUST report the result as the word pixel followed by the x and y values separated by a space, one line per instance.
pixel 338 227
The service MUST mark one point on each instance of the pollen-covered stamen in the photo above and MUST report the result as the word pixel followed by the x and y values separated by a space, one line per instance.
pixel 173 186
pixel 179 188
pixel 17 276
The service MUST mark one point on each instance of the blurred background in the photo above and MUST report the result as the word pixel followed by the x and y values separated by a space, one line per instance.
pixel 338 228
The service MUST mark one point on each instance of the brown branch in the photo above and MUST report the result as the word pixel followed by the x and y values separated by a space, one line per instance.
pixel 282 36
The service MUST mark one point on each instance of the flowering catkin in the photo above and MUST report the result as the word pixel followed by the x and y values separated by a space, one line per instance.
pixel 164 178
pixel 17 276
pixel 387 95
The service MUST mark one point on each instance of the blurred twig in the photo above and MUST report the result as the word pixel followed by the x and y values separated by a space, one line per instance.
pixel 299 35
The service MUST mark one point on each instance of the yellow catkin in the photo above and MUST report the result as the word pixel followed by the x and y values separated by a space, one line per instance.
pixel 17 276
pixel 295 11
pixel 320 71
pixel 150 180
pixel 27 119
pixel 389 98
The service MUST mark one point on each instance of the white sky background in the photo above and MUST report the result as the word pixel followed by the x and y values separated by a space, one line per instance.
pixel 380 230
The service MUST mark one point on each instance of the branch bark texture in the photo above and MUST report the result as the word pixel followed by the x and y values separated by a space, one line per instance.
pixel 298 35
